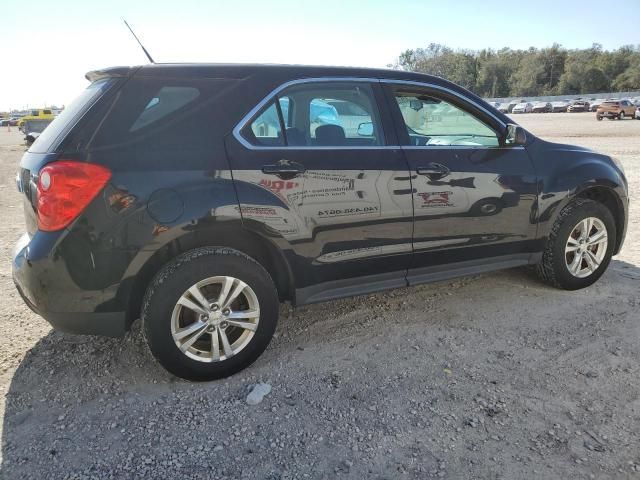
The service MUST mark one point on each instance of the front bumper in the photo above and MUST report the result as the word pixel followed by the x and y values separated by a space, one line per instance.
pixel 46 287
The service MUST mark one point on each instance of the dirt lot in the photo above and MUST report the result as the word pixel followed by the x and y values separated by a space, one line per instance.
pixel 492 376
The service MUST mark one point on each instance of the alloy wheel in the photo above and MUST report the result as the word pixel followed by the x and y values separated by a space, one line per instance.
pixel 215 319
pixel 586 247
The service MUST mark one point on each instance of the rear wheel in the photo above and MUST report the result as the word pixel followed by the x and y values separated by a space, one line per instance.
pixel 209 313
pixel 599 118
pixel 579 247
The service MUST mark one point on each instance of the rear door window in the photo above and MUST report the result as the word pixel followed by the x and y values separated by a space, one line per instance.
pixel 266 127
pixel 325 114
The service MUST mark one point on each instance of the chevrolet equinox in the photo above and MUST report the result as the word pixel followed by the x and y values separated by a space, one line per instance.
pixel 198 197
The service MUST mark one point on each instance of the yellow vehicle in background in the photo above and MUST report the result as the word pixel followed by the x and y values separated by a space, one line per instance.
pixel 43 114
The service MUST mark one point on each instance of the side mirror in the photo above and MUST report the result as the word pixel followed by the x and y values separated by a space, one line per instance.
pixel 516 135
pixel 365 129
pixel 415 104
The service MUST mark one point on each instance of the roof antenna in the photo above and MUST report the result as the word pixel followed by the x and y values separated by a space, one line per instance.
pixel 139 42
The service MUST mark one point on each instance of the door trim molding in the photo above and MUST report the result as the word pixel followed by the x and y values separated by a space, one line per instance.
pixel 352 287
pixel 447 271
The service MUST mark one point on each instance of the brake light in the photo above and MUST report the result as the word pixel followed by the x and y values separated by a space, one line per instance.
pixel 65 188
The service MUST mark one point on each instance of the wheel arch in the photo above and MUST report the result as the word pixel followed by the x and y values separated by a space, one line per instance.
pixel 608 197
pixel 606 193
pixel 232 235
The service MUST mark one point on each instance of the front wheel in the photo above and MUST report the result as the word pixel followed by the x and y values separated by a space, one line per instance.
pixel 209 313
pixel 621 116
pixel 579 247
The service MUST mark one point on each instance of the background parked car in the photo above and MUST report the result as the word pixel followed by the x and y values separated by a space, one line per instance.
pixel 12 122
pixel 512 104
pixel 578 106
pixel 42 114
pixel 504 107
pixel 541 107
pixel 616 109
pixel 593 106
pixel 638 112
pixel 559 106
pixel 523 108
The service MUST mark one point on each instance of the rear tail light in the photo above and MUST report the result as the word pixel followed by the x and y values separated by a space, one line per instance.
pixel 65 188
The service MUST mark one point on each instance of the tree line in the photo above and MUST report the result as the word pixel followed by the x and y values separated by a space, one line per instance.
pixel 534 72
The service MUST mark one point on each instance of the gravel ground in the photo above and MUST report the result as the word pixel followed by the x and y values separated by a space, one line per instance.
pixel 491 376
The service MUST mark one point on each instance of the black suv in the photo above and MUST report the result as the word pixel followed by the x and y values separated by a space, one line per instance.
pixel 199 197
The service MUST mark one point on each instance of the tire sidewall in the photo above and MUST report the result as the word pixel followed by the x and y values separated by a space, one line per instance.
pixel 562 273
pixel 171 283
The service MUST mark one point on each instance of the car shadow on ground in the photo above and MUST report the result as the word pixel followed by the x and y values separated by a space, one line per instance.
pixel 63 373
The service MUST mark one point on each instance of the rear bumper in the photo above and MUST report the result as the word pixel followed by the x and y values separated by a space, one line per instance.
pixel 47 289
pixel 608 114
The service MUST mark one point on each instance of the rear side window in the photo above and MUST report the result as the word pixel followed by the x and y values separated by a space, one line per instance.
pixel 46 142
pixel 162 113
pixel 166 101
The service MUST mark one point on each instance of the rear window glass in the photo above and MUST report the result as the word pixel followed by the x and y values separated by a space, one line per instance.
pixel 46 141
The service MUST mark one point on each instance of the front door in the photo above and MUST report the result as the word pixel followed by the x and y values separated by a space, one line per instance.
pixel 313 167
pixel 473 196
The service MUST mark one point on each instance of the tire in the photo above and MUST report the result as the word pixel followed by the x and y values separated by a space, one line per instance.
pixel 554 268
pixel 621 116
pixel 209 269
pixel 599 118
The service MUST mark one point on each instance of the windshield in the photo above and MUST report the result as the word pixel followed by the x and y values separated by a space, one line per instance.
pixel 45 142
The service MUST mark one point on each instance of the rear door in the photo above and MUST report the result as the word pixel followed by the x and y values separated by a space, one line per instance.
pixel 313 168
pixel 473 197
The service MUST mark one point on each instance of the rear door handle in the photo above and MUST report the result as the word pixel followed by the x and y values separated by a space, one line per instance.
pixel 284 169
pixel 433 170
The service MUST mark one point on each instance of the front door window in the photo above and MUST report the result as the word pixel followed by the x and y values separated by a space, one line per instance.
pixel 431 121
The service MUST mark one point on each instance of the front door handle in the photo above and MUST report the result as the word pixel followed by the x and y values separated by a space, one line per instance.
pixel 285 169
pixel 433 170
